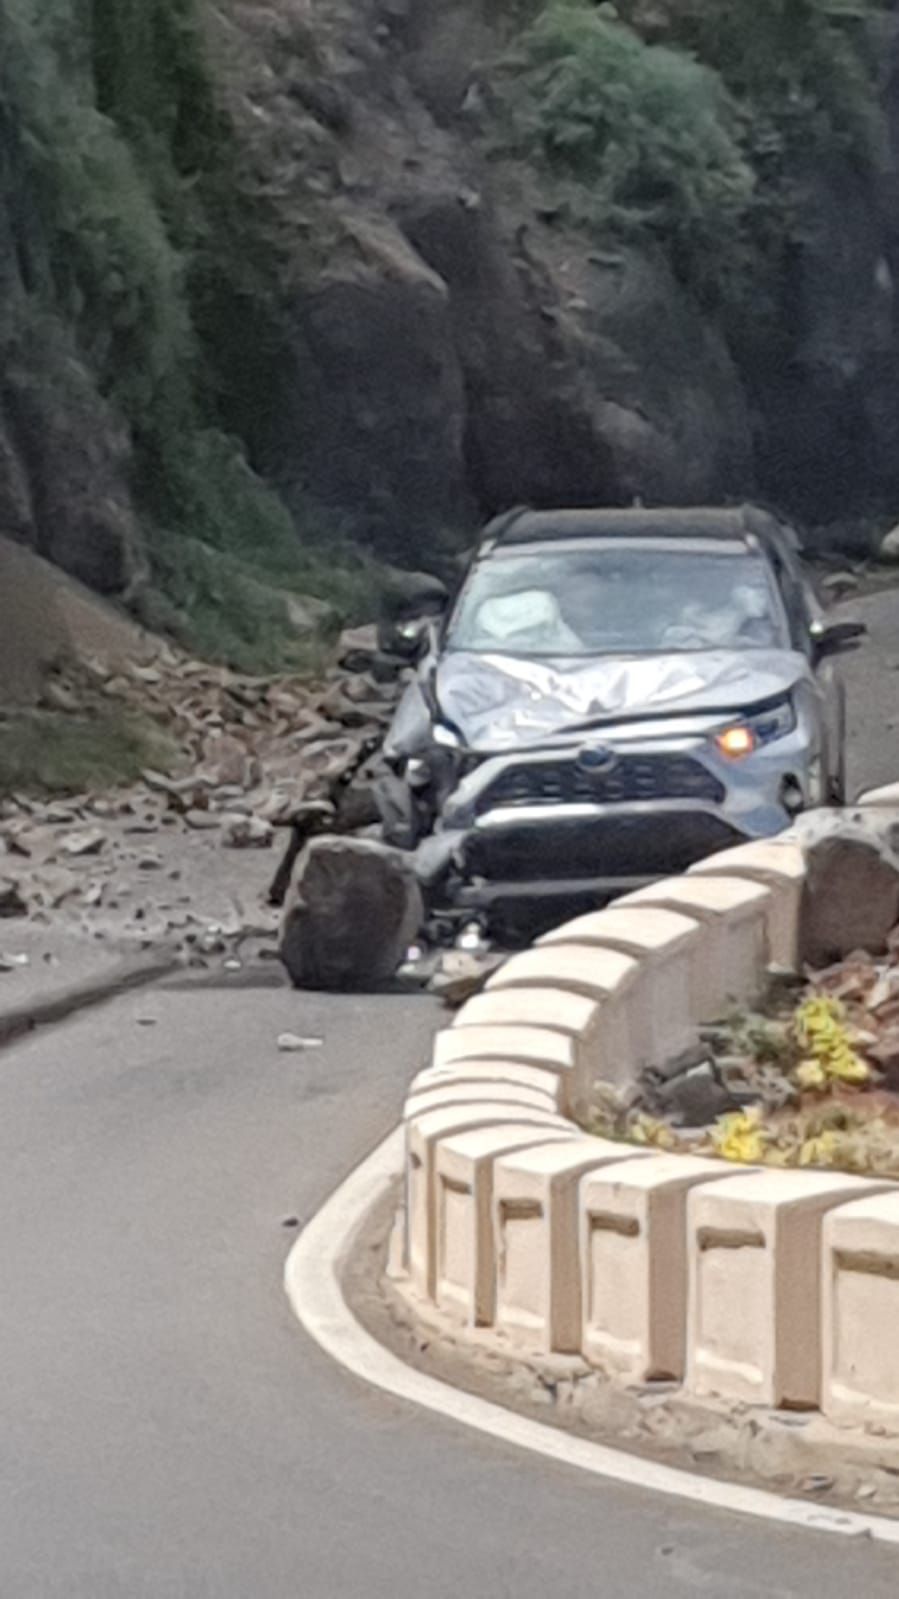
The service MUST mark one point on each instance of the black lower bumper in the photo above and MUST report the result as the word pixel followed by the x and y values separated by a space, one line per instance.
pixel 612 849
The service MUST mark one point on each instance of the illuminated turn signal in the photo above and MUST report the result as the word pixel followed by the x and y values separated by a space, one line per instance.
pixel 735 742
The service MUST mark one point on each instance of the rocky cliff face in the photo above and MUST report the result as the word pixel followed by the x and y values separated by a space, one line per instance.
pixel 458 347
pixel 406 332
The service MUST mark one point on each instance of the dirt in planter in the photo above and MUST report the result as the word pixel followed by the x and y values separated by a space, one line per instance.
pixel 810 1079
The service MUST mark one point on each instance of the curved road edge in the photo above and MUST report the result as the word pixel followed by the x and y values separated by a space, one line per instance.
pixel 312 1278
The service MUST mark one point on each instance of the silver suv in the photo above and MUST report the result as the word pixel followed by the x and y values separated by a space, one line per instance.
pixel 613 696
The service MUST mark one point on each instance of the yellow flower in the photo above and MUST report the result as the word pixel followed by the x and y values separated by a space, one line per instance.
pixel 821 1151
pixel 655 1134
pixel 820 1026
pixel 810 1074
pixel 740 1137
pixel 848 1067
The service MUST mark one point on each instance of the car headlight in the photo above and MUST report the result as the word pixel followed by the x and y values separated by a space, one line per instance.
pixel 742 738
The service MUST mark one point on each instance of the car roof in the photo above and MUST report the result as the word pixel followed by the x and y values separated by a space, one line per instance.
pixel 740 524
pixel 688 543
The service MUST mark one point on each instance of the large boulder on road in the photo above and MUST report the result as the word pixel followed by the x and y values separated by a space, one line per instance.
pixel 851 893
pixel 356 911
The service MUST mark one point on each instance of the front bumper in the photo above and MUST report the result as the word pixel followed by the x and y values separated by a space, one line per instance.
pixel 535 825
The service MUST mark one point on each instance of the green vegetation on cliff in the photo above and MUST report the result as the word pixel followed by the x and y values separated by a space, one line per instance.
pixel 117 182
pixel 697 124
pixel 237 285
pixel 649 135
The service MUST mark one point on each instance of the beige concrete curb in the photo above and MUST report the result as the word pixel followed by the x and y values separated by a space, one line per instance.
pixel 772 1288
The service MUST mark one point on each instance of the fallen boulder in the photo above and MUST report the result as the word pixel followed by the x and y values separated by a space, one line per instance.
pixel 851 893
pixel 358 907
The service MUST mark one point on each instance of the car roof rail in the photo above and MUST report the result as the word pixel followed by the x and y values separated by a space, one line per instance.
pixel 524 525
pixel 496 529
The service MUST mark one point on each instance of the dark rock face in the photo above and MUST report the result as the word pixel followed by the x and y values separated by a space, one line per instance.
pixel 445 371
pixel 376 397
pixel 590 378
pixel 63 462
pixel 421 339
pixel 827 420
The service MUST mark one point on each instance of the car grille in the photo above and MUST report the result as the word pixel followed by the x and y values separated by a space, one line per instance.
pixel 632 778
pixel 608 847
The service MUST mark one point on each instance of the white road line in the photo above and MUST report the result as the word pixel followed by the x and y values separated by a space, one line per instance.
pixel 312 1280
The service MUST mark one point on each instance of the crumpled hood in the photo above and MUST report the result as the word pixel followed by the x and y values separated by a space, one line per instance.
pixel 501 702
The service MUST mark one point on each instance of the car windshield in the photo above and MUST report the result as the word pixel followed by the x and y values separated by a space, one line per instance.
pixel 618 600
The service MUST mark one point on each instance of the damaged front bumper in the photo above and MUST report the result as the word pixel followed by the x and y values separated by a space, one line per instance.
pixel 587 821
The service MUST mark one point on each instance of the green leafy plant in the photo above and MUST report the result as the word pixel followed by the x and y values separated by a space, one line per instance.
pixel 118 167
pixel 650 136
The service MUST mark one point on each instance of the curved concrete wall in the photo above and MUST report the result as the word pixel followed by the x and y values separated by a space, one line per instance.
pixel 779 1288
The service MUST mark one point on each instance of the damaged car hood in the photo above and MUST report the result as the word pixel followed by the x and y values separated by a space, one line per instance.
pixel 500 702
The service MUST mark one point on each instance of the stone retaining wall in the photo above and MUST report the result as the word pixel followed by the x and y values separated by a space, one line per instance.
pixel 777 1288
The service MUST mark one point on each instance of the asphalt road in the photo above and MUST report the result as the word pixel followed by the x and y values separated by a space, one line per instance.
pixel 166 1430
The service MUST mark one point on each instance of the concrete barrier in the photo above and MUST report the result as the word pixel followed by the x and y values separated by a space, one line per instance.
pixel 754 1314
pixel 465 1251
pixel 860 1320
pixel 736 950
pixel 756 1286
pixel 538 1282
pixel 633 1247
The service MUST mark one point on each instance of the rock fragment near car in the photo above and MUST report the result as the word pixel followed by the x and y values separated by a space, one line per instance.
pixel 851 893
pixel 356 910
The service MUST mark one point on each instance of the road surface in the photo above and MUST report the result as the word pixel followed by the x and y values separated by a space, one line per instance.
pixel 167 1430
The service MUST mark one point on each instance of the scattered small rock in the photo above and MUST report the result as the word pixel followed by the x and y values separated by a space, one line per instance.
pixel 13 963
pixel 817 1483
pixel 202 821
pixel 11 901
pixel 247 832
pixel 461 974
pixel 89 842
pixel 291 1043
pixel 696 1098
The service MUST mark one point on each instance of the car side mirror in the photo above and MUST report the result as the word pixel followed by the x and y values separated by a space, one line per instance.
pixel 409 638
pixel 836 637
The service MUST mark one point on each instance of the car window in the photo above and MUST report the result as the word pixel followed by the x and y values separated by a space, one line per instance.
pixel 618 600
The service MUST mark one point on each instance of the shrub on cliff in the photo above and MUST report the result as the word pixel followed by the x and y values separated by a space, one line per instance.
pixel 117 192
pixel 649 134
